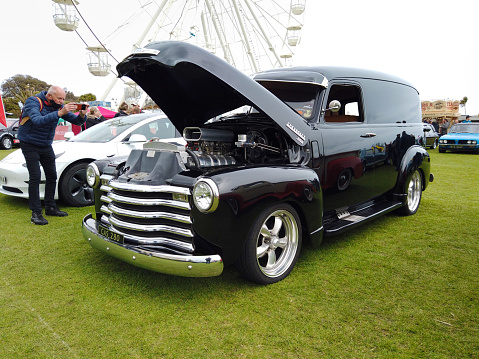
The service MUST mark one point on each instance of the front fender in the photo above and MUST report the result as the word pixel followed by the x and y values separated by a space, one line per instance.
pixel 415 158
pixel 244 193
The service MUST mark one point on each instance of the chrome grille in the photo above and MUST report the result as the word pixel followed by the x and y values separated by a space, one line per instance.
pixel 152 216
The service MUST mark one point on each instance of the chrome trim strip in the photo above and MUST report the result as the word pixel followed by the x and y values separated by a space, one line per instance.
pixel 105 188
pixel 105 199
pixel 187 265
pixel 149 201
pixel 105 220
pixel 316 231
pixel 148 215
pixel 149 189
pixel 105 209
pixel 150 228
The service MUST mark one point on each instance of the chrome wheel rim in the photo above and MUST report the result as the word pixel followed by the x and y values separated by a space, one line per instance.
pixel 414 192
pixel 277 243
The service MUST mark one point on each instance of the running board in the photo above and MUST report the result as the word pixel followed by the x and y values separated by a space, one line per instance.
pixel 350 217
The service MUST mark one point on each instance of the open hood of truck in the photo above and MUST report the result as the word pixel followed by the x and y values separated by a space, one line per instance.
pixel 191 86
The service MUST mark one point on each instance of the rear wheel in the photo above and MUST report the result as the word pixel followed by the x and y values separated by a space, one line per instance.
pixel 272 247
pixel 73 188
pixel 6 143
pixel 344 180
pixel 414 193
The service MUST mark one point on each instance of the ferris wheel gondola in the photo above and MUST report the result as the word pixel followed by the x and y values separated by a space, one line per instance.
pixel 251 35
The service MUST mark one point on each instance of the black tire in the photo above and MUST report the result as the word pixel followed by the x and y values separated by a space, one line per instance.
pixel 414 193
pixel 272 247
pixel 344 180
pixel 73 188
pixel 6 143
pixel 441 150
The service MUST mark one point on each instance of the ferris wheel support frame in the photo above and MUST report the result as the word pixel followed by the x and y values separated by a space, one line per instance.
pixel 137 45
pixel 270 45
pixel 220 32
pixel 245 36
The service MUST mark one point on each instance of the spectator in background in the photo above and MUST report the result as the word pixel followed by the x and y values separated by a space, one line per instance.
pixel 443 127
pixel 435 124
pixel 136 107
pixel 467 120
pixel 122 110
pixel 94 117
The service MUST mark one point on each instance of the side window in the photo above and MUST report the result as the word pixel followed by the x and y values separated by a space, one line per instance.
pixel 162 128
pixel 350 98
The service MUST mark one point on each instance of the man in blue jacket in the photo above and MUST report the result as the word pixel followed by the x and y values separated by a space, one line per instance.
pixel 36 132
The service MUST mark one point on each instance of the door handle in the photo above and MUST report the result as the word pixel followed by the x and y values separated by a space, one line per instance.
pixel 367 135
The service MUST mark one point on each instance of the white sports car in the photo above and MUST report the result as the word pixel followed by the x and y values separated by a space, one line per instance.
pixel 114 137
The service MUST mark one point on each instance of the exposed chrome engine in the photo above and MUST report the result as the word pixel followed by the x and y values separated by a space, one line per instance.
pixel 211 147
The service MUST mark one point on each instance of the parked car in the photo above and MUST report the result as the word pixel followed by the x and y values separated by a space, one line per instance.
pixel 301 153
pixel 8 135
pixel 110 138
pixel 432 137
pixel 462 137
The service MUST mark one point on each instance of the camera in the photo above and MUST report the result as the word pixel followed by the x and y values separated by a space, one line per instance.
pixel 81 106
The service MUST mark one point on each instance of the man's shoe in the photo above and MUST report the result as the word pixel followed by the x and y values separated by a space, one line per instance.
pixel 37 218
pixel 55 211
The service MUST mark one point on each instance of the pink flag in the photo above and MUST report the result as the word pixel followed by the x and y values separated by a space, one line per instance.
pixel 3 118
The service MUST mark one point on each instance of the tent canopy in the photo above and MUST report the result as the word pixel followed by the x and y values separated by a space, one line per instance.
pixel 106 112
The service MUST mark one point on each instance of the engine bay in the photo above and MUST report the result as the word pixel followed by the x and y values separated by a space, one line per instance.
pixel 228 144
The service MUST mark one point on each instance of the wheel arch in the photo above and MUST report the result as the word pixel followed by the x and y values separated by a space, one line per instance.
pixel 416 158
pixel 246 193
pixel 70 165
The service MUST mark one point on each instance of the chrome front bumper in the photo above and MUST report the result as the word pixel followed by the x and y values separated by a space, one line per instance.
pixel 186 266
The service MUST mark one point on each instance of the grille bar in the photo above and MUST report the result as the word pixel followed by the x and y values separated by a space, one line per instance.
pixel 148 215
pixel 148 189
pixel 150 227
pixel 149 201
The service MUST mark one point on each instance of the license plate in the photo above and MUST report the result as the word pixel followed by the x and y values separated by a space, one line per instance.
pixel 113 236
pixel 3 180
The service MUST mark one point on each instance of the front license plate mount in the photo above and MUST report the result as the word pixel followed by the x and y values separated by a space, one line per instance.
pixel 109 234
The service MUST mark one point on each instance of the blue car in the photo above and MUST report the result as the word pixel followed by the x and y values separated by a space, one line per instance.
pixel 461 137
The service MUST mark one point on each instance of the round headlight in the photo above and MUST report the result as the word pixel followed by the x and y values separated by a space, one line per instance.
pixel 206 195
pixel 92 175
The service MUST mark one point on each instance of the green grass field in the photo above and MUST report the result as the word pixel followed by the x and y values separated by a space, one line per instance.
pixel 398 287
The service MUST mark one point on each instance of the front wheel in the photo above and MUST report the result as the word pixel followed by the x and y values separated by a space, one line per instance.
pixel 73 188
pixel 272 246
pixel 6 143
pixel 434 145
pixel 414 193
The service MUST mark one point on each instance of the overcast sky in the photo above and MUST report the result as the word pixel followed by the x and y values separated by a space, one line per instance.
pixel 433 44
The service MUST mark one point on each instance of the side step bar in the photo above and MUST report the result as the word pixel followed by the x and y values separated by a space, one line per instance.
pixel 346 219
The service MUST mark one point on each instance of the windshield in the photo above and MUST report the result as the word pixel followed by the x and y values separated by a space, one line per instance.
pixel 107 130
pixel 299 96
pixel 465 128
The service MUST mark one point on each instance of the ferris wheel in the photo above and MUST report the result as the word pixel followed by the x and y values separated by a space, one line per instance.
pixel 251 35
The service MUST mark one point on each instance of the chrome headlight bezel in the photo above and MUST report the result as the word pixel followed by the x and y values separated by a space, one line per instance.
pixel 206 195
pixel 92 175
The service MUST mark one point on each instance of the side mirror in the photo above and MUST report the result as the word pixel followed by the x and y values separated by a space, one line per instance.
pixel 334 106
pixel 68 135
pixel 137 138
